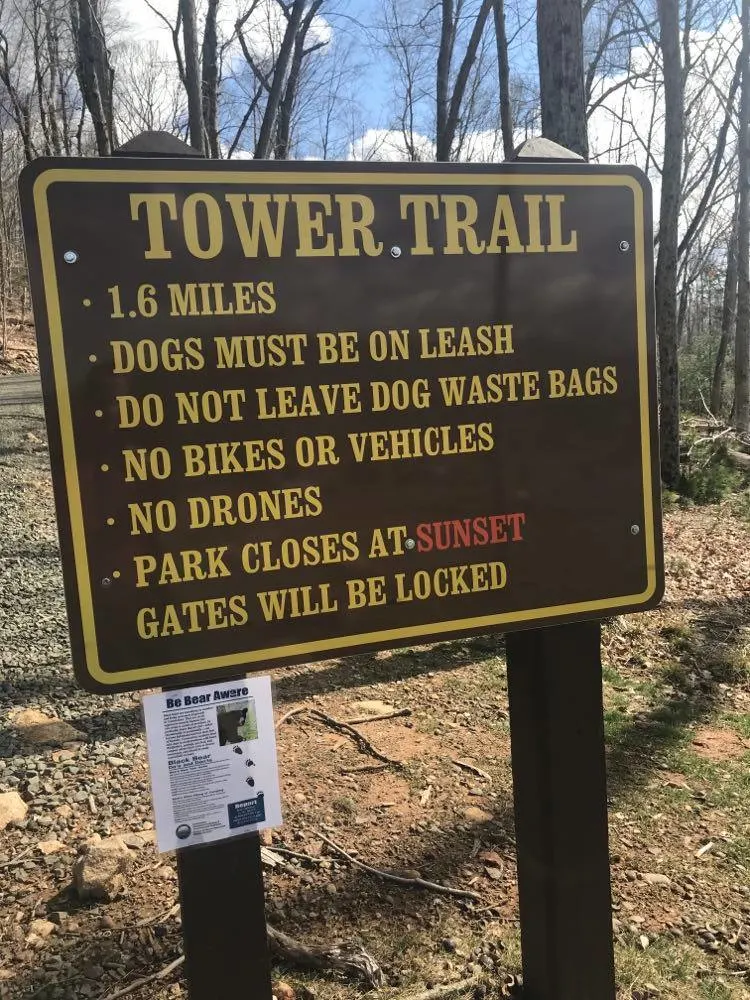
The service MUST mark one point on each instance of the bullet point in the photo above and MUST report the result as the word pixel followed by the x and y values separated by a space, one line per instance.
pixel 92 358
pixel 87 302
pixel 110 521
pixel 116 574
pixel 98 413
pixel 105 468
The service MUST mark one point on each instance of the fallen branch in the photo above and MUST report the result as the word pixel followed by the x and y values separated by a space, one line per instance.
pixel 18 857
pixel 364 769
pixel 294 711
pixel 161 974
pixel 359 739
pixel 472 769
pixel 297 854
pixel 271 859
pixel 395 714
pixel 709 440
pixel 158 919
pixel 448 990
pixel 412 883
pixel 711 416
pixel 355 962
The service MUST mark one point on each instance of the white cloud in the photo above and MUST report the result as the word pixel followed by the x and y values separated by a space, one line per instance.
pixel 263 31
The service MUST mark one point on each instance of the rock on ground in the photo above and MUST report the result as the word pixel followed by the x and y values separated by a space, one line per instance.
pixel 12 809
pixel 36 727
pixel 99 872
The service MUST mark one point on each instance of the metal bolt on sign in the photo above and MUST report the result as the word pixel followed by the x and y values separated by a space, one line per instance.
pixel 635 529
pixel 70 256
pixel 624 246
pixel 410 544
pixel 395 252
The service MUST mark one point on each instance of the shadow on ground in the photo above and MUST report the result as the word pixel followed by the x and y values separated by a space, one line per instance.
pixel 708 654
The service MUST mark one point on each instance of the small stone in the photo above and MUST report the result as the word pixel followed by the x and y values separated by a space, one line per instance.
pixel 283 991
pixel 12 809
pixel 93 971
pixel 449 944
pixel 476 815
pixel 99 873
pixel 65 811
pixel 36 727
pixel 50 847
pixel 134 840
pixel 653 878
pixel 42 928
pixel 372 707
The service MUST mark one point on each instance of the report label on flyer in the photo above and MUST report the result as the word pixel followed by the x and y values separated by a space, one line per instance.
pixel 212 752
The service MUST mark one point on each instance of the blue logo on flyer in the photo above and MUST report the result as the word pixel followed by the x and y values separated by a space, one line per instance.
pixel 247 812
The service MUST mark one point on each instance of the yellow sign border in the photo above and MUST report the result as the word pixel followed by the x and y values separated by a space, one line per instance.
pixel 411 177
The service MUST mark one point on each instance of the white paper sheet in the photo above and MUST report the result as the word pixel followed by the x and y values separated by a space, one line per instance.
pixel 212 751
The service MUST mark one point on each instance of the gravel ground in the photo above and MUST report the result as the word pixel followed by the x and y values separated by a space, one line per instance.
pixel 678 715
pixel 73 790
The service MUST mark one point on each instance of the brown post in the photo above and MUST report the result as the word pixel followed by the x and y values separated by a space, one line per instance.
pixel 560 794
pixel 222 898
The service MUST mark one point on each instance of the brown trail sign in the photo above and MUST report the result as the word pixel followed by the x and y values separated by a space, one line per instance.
pixel 298 410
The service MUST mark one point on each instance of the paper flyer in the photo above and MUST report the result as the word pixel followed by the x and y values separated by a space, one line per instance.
pixel 212 752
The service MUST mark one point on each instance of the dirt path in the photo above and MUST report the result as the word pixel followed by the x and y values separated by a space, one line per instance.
pixel 16 390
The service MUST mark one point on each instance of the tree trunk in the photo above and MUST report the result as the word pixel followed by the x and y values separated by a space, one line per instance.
pixel 446 133
pixel 192 75
pixel 442 82
pixel 742 333
pixel 210 80
pixel 666 264
pixel 95 72
pixel 503 76
pixel 286 107
pixel 560 52
pixel 728 319
pixel 268 125
pixel 682 314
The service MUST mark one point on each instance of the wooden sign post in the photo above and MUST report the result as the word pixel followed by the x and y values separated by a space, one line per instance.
pixel 302 410
pixel 222 895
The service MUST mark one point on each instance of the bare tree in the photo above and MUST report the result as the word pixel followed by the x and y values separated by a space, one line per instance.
pixel 95 72
pixel 728 319
pixel 560 50
pixel 192 74
pixel 666 264
pixel 742 334
pixel 503 77
pixel 210 80
pixel 149 96
pixel 450 89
